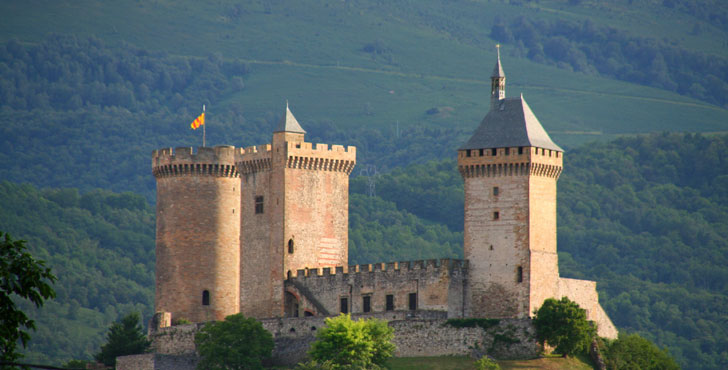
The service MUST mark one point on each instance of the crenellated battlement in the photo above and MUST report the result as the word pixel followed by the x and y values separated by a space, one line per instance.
pixel 515 161
pixel 432 267
pixel 311 156
pixel 217 161
pixel 253 159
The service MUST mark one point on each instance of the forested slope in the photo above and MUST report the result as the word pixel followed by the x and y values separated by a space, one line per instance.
pixel 100 245
pixel 646 217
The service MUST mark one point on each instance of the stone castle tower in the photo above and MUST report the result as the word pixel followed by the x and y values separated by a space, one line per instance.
pixel 510 167
pixel 294 213
pixel 198 232
pixel 264 231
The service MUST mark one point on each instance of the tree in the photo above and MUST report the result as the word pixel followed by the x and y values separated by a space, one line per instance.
pixel 236 343
pixel 634 352
pixel 22 276
pixel 125 337
pixel 361 343
pixel 563 324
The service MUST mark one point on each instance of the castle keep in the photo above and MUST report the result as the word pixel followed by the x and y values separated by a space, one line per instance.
pixel 263 230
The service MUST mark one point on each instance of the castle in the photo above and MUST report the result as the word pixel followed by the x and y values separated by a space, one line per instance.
pixel 264 230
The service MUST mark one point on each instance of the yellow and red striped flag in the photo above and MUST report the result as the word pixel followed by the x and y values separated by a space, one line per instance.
pixel 198 122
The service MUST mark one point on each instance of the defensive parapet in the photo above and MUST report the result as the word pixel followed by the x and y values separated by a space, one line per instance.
pixel 426 285
pixel 515 161
pixel 320 157
pixel 182 161
pixel 198 232
pixel 253 159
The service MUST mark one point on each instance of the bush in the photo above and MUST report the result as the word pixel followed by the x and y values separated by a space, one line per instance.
pixel 563 325
pixel 236 343
pixel 634 352
pixel 125 337
pixel 486 363
pixel 346 343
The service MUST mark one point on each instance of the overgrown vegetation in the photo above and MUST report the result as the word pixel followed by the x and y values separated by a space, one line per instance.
pixel 631 351
pixel 346 344
pixel 125 337
pixel 562 324
pixel 472 322
pixel 22 278
pixel 237 343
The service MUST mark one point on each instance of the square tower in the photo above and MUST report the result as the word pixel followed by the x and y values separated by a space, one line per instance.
pixel 294 213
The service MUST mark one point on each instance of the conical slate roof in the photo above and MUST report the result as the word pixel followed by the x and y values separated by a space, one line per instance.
pixel 288 123
pixel 498 69
pixel 510 123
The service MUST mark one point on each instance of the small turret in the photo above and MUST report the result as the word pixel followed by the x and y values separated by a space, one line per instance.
pixel 497 83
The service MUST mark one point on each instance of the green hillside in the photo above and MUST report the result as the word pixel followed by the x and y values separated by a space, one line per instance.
pixel 636 215
pixel 371 73
pixel 89 88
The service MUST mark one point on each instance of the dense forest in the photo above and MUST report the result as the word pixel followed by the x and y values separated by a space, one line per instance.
pixel 587 48
pixel 645 216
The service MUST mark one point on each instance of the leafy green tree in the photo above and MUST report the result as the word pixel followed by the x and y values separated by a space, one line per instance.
pixel 632 352
pixel 21 276
pixel 563 324
pixel 360 344
pixel 236 343
pixel 125 337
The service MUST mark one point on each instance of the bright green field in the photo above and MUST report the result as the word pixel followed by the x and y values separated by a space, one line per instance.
pixel 461 362
pixel 436 55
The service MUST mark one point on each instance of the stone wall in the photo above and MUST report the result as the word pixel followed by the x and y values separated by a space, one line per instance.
pixel 436 285
pixel 156 361
pixel 423 336
pixel 584 293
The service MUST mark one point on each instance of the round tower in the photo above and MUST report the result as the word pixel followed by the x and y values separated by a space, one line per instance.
pixel 198 232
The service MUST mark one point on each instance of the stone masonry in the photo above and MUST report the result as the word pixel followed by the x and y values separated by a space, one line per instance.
pixel 263 230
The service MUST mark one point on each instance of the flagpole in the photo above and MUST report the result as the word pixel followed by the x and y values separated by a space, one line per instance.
pixel 203 127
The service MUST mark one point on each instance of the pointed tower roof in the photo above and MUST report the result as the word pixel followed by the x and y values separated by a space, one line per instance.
pixel 289 123
pixel 498 69
pixel 510 124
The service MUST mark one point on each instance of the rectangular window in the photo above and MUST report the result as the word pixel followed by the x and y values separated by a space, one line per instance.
pixel 344 303
pixel 467 153
pixel 519 278
pixel 367 303
pixel 520 150
pixel 481 152
pixel 494 151
pixel 258 204
pixel 496 191
pixel 413 301
pixel 390 302
pixel 496 215
pixel 508 151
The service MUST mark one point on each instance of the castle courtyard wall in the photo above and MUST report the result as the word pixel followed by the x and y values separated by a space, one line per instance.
pixel 437 284
pixel 506 339
pixel 584 293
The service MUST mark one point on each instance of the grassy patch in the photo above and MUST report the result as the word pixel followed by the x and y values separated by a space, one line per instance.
pixel 463 362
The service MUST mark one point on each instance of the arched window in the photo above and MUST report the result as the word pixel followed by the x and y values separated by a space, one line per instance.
pixel 205 297
pixel 290 246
